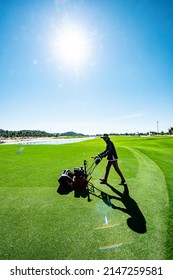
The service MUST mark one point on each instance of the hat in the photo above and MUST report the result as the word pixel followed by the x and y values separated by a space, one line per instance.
pixel 105 135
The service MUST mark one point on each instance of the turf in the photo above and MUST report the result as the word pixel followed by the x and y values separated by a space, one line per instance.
pixel 38 223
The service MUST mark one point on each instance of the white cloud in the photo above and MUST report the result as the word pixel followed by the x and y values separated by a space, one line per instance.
pixel 130 116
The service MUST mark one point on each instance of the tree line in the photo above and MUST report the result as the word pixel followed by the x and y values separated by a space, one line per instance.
pixel 34 133
pixel 38 133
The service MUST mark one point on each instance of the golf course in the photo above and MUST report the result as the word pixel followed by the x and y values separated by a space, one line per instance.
pixel 37 223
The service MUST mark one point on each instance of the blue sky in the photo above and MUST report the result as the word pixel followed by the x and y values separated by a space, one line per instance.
pixel 123 84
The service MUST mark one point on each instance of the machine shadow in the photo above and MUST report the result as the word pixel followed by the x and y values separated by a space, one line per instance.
pixel 136 221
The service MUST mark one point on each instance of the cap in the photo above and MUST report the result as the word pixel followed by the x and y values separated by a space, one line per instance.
pixel 105 135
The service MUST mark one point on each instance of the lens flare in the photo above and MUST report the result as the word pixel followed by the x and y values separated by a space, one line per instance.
pixel 111 247
pixel 107 226
pixel 106 220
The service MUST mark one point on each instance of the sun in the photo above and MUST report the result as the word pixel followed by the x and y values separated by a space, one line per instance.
pixel 73 46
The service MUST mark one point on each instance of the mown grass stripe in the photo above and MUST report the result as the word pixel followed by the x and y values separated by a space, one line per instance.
pixel 150 186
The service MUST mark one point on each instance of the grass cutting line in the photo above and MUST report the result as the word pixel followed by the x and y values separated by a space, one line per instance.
pixel 150 185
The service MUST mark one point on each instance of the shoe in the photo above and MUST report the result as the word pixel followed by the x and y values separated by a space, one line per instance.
pixel 122 182
pixel 103 181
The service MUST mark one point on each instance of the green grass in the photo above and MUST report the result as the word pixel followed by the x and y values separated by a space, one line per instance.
pixel 38 223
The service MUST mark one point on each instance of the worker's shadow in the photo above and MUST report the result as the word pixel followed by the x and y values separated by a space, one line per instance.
pixel 136 221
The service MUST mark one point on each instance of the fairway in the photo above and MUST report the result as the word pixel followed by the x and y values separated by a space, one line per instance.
pixel 37 223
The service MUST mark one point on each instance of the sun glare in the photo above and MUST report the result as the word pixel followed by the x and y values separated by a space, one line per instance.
pixel 72 46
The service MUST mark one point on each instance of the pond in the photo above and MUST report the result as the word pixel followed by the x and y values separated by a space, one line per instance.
pixel 54 141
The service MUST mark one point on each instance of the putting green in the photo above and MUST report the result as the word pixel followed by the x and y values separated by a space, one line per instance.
pixel 154 203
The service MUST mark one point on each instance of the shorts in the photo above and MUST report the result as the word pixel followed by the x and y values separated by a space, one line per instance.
pixel 113 159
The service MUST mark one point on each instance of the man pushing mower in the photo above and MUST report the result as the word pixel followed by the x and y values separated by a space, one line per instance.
pixel 112 158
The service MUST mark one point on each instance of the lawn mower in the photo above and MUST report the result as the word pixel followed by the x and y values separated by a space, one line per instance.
pixel 79 181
